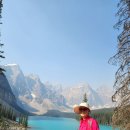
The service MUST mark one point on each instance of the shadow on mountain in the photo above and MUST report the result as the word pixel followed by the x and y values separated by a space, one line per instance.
pixel 7 96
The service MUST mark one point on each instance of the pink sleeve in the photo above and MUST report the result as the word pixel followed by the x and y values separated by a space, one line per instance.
pixel 95 125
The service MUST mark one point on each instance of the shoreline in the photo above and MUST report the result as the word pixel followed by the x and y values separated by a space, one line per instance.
pixel 12 125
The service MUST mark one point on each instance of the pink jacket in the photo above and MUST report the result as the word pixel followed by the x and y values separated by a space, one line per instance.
pixel 88 124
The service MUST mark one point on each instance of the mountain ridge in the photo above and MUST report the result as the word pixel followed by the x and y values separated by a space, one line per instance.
pixel 7 97
pixel 40 97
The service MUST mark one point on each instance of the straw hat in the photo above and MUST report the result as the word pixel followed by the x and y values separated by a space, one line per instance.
pixel 76 107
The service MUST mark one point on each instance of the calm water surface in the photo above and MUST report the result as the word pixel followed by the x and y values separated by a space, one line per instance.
pixel 53 123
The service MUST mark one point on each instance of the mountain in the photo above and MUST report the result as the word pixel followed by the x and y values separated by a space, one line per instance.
pixel 43 97
pixel 32 94
pixel 38 97
pixel 16 79
pixel 6 93
pixel 106 93
pixel 74 95
pixel 7 98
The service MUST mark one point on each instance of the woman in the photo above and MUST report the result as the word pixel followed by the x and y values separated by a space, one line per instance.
pixel 86 122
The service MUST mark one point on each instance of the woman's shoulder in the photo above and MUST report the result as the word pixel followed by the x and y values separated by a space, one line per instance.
pixel 93 120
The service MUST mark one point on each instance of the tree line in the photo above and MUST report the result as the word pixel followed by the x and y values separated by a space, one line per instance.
pixel 11 114
pixel 103 116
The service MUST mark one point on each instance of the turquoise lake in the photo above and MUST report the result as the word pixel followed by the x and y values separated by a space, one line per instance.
pixel 54 123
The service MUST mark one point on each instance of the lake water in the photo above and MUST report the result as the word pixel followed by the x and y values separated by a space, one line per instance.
pixel 53 123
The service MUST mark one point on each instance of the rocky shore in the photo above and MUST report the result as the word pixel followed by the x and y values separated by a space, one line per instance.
pixel 7 124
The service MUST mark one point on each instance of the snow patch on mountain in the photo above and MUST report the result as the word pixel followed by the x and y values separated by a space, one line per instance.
pixel 33 95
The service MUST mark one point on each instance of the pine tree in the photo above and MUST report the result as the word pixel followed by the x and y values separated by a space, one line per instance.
pixel 0 110
pixel 85 98
pixel 121 116
pixel 1 44
pixel 25 122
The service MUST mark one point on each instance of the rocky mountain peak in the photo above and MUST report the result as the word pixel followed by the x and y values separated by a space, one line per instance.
pixel 33 77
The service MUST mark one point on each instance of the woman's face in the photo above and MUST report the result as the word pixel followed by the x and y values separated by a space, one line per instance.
pixel 84 112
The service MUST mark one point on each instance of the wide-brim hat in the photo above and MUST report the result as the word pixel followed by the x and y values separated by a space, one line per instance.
pixel 76 107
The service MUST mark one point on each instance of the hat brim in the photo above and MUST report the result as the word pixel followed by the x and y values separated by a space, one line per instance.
pixel 77 111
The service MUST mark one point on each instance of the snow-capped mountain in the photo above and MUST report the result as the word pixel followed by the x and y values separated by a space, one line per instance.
pixel 106 93
pixel 32 94
pixel 38 97
pixel 74 95
pixel 16 79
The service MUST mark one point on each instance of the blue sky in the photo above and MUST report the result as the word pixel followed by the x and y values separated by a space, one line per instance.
pixel 62 41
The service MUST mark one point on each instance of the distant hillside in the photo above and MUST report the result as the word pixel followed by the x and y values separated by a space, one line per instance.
pixel 103 110
pixel 56 113
pixel 103 116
